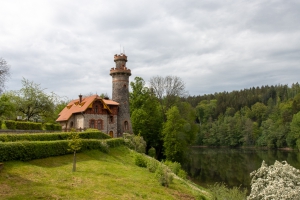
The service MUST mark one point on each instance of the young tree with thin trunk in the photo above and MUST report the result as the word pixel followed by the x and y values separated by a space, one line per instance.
pixel 75 144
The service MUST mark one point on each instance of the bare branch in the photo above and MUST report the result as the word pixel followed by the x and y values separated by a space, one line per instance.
pixel 4 73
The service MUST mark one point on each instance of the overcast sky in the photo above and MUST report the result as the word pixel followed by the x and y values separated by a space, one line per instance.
pixel 67 46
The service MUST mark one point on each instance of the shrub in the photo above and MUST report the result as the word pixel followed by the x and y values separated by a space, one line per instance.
pixel 52 127
pixel 54 136
pixel 140 160
pixel 174 166
pixel 182 174
pixel 115 142
pixel 10 124
pixel 135 142
pixel 152 152
pixel 278 181
pixel 49 126
pixel 152 165
pixel 0 123
pixel 57 127
pixel 91 129
pixel 163 175
pixel 221 191
pixel 29 150
pixel 20 125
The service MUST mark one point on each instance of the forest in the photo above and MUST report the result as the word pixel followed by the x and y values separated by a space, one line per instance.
pixel 266 116
pixel 170 120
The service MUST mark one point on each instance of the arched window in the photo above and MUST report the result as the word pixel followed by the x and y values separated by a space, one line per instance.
pixel 126 125
pixel 71 124
pixel 92 123
pixel 96 110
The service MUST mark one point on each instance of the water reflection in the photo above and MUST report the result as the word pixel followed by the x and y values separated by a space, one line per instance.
pixel 233 166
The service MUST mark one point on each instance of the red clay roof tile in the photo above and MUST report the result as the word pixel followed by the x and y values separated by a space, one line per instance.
pixel 75 107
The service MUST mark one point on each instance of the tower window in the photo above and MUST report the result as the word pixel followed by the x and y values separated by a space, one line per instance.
pixel 111 119
pixel 126 125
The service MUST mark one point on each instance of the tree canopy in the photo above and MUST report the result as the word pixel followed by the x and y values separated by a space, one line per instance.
pixel 32 102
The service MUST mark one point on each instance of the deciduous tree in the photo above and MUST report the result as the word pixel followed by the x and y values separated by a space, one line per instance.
pixel 167 89
pixel 7 108
pixel 177 134
pixel 75 144
pixel 146 117
pixel 32 101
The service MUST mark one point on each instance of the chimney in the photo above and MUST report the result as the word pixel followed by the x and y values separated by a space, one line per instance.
pixel 80 98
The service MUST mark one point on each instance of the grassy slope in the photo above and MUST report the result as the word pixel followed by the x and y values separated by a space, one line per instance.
pixel 98 176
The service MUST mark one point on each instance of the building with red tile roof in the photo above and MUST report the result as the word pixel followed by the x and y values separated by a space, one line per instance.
pixel 109 116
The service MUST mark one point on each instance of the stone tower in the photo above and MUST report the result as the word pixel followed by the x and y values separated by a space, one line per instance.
pixel 120 93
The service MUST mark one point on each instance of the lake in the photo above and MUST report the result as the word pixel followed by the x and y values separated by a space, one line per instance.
pixel 233 166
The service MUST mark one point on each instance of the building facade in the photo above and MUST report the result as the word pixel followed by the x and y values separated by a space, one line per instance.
pixel 109 116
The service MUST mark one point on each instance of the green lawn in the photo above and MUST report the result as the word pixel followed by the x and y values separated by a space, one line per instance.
pixel 98 176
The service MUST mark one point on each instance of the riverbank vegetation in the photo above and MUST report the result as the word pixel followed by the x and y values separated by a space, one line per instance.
pixel 170 120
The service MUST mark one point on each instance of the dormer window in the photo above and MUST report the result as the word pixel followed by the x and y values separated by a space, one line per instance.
pixel 96 110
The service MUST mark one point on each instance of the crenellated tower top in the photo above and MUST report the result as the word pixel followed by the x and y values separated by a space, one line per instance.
pixel 120 68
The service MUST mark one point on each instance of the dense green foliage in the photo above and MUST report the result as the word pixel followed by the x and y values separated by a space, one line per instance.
pixel 146 116
pixel 31 103
pixel 221 191
pixel 263 116
pixel 51 136
pixel 10 124
pixel 135 142
pixel 27 125
pixel 52 127
pixel 29 150
pixel 7 108
pixel 178 134
pixel 259 116
pixel 151 115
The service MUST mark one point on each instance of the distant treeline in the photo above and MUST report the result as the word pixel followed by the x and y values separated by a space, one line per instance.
pixel 262 116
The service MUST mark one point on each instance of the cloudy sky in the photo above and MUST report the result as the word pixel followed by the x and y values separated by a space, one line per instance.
pixel 67 46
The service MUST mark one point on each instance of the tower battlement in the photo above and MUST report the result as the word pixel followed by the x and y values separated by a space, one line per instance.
pixel 114 71
pixel 120 57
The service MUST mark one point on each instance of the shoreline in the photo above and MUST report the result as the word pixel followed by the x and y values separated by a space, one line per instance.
pixel 248 147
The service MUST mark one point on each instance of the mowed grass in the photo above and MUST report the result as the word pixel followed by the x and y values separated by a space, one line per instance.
pixel 98 176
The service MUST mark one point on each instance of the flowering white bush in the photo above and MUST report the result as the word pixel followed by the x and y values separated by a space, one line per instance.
pixel 278 181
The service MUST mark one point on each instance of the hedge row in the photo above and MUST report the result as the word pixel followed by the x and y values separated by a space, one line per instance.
pixel 20 125
pixel 42 149
pixel 52 127
pixel 28 126
pixel 51 136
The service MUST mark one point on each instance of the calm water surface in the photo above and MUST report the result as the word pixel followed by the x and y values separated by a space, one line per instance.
pixel 233 166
